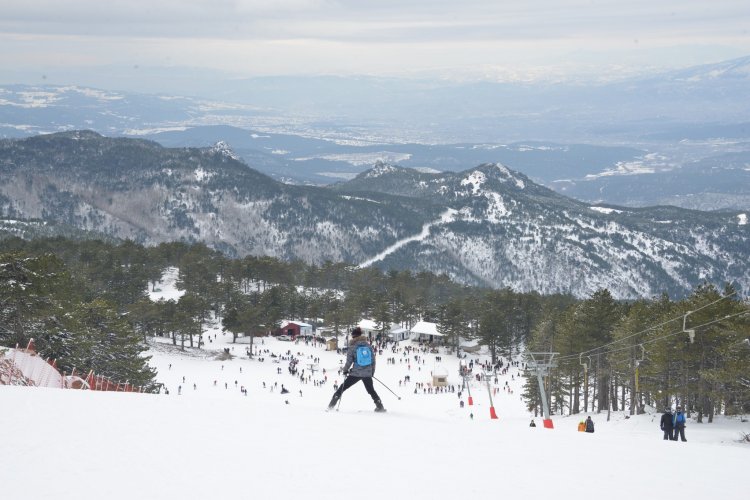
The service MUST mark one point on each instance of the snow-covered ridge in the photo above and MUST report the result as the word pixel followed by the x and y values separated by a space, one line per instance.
pixel 505 175
pixel 224 149
pixel 380 169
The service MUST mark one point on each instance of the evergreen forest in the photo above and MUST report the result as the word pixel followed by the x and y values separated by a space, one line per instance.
pixel 85 303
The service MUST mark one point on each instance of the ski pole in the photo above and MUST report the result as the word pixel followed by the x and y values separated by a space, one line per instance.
pixel 399 397
pixel 340 398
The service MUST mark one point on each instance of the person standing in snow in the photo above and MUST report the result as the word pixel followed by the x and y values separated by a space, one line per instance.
pixel 679 425
pixel 589 424
pixel 360 357
pixel 666 424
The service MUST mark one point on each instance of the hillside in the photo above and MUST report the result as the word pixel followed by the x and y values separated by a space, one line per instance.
pixel 488 225
pixel 139 190
pixel 508 230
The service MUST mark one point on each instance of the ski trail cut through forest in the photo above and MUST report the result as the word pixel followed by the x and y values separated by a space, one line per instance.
pixel 445 217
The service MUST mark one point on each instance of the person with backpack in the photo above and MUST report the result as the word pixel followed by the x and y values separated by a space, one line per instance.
pixel 666 424
pixel 679 424
pixel 360 358
pixel 589 424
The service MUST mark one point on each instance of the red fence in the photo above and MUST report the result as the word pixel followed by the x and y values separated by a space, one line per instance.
pixel 24 367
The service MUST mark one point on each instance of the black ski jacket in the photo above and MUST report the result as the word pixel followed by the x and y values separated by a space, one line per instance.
pixel 666 421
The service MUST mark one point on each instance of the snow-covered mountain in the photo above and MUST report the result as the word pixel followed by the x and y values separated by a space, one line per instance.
pixel 509 231
pixel 488 225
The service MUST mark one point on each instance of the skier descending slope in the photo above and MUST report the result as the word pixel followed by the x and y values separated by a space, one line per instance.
pixel 360 357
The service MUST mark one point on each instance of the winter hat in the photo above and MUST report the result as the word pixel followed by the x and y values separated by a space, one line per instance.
pixel 356 332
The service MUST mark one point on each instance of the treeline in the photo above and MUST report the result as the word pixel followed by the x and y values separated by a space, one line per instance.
pixel 86 304
pixel 659 353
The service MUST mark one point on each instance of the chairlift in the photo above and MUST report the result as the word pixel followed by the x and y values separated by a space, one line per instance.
pixel 585 365
pixel 643 356
pixel 690 332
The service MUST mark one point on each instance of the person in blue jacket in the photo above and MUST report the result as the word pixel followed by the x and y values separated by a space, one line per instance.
pixel 679 424
pixel 360 358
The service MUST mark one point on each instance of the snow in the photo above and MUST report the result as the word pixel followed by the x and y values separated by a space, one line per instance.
pixel 496 209
pixel 212 441
pixel 475 180
pixel 224 149
pixel 201 174
pixel 445 217
pixel 742 219
pixel 426 328
pixel 165 289
pixel 346 197
pixel 605 210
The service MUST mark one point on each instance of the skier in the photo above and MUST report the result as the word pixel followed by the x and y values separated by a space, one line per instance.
pixel 532 424
pixel 666 424
pixel 589 424
pixel 361 359
pixel 679 425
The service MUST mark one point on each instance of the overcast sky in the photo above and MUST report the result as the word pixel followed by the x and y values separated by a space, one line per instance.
pixel 456 39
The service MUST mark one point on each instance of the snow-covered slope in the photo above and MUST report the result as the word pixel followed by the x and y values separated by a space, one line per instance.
pixel 225 430
pixel 214 442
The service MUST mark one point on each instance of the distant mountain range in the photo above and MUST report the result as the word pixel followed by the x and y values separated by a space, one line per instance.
pixel 680 138
pixel 487 225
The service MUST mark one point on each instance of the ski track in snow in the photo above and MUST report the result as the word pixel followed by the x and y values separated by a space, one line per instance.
pixel 445 217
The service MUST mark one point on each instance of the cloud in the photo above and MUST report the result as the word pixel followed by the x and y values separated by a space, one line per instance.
pixel 293 36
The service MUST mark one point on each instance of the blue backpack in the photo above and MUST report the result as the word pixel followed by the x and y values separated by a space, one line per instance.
pixel 364 355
